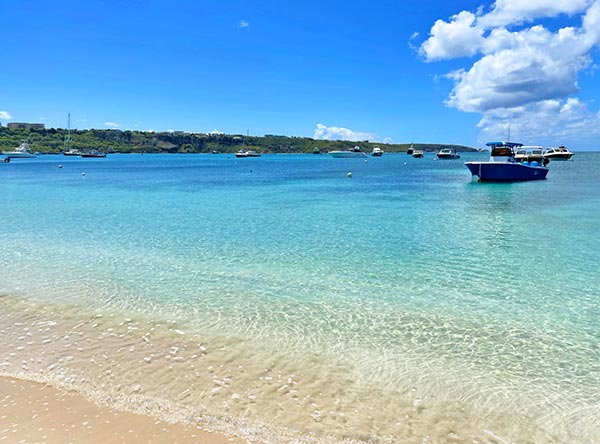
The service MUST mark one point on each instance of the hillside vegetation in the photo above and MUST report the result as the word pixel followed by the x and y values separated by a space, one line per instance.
pixel 51 140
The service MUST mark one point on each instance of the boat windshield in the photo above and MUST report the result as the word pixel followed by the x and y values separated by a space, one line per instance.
pixel 501 151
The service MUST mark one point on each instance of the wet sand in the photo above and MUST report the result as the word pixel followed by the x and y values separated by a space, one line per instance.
pixel 37 413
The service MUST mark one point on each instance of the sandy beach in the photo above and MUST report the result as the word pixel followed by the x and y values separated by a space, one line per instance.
pixel 31 412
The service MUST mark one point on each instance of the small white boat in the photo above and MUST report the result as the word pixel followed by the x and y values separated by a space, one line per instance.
pixel 529 153
pixel 447 153
pixel 21 152
pixel 417 153
pixel 93 153
pixel 354 152
pixel 559 153
pixel 377 152
pixel 247 153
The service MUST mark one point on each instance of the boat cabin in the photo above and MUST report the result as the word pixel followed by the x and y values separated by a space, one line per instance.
pixel 503 150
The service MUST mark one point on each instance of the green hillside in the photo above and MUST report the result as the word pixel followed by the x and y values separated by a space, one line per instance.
pixel 51 140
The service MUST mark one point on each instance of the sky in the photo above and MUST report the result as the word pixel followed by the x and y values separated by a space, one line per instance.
pixel 432 71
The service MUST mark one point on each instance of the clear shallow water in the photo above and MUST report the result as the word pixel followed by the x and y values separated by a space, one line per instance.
pixel 407 291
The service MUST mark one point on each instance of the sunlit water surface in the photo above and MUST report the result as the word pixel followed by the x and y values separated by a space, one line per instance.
pixel 277 298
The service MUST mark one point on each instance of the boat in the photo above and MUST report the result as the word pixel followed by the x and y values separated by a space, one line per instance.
pixel 93 153
pixel 529 154
pixel 417 153
pixel 316 150
pixel 502 166
pixel 21 152
pixel 559 153
pixel 68 151
pixel 247 153
pixel 410 150
pixel 447 153
pixel 377 152
pixel 354 152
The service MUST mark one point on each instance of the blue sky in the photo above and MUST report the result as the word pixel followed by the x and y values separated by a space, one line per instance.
pixel 429 71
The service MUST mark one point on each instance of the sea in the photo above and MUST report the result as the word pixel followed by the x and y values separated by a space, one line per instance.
pixel 309 299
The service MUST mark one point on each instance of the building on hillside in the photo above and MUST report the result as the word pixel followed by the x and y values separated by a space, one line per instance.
pixel 21 125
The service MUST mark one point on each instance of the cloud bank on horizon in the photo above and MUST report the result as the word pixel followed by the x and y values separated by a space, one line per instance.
pixel 523 73
pixel 323 132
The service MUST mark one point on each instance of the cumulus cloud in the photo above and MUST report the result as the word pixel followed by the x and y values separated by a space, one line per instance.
pixel 547 122
pixel 112 124
pixel 458 38
pixel 5 115
pixel 514 67
pixel 506 12
pixel 323 132
pixel 243 24
pixel 216 132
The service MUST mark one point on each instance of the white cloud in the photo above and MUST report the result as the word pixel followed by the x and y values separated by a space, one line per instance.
pixel 507 12
pixel 243 24
pixel 519 67
pixel 459 38
pixel 535 65
pixel 216 132
pixel 323 132
pixel 5 115
pixel 112 124
pixel 547 122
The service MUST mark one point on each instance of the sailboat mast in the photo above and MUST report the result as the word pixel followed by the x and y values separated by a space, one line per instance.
pixel 68 138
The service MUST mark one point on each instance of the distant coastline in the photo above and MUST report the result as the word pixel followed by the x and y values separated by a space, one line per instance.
pixel 51 140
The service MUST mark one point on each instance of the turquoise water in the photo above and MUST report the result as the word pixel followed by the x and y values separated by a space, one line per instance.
pixel 417 281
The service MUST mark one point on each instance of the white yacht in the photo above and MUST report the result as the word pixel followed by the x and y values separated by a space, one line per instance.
pixel 559 153
pixel 377 152
pixel 448 153
pixel 529 153
pixel 354 152
pixel 21 152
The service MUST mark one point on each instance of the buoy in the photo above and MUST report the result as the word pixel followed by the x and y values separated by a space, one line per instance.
pixel 366 161
pixel 83 173
pixel 60 166
pixel 349 175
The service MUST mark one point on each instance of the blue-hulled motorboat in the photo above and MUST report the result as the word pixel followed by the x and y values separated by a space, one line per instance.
pixel 502 166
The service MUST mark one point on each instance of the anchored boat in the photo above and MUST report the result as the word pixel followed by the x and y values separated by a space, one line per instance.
pixel 503 167
pixel 21 152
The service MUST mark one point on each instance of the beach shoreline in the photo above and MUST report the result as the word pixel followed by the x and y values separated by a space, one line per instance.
pixel 168 374
pixel 35 412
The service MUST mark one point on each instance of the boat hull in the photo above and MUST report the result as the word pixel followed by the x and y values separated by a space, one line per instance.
pixel 17 155
pixel 506 171
pixel 448 156
pixel 347 154
pixel 558 156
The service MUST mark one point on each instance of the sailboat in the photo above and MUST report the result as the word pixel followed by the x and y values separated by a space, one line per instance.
pixel 68 151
